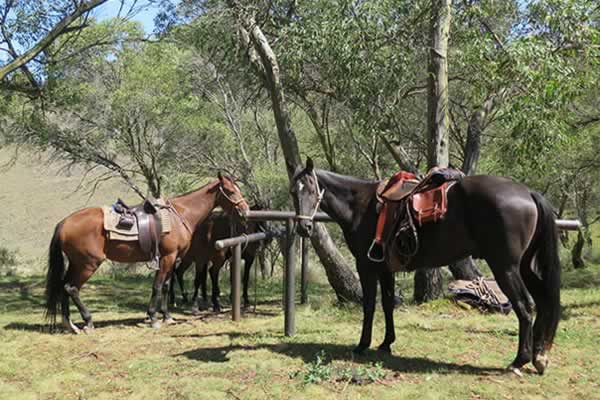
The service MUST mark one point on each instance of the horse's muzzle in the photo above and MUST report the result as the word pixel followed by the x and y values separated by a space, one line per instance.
pixel 304 228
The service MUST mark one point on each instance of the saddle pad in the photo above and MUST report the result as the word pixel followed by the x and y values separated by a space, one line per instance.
pixel 111 219
pixel 485 294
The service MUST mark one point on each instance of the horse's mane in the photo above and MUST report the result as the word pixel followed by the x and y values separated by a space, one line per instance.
pixel 194 190
pixel 346 179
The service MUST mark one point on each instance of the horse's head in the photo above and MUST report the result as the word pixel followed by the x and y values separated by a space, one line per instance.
pixel 307 196
pixel 230 197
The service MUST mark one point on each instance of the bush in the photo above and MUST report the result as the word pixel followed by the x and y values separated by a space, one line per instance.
pixel 8 260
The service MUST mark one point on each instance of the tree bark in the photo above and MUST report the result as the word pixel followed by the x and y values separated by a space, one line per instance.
pixel 428 282
pixel 344 282
pixel 429 286
pixel 577 252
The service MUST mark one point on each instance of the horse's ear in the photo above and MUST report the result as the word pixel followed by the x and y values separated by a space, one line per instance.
pixel 220 176
pixel 309 164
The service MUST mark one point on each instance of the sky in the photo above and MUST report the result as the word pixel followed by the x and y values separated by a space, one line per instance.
pixel 144 15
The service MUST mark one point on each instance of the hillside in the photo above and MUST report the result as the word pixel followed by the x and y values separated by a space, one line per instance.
pixel 35 196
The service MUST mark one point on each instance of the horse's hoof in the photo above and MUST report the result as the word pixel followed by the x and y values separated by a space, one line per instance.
pixel 155 324
pixel 169 321
pixel 195 311
pixel 217 309
pixel 517 371
pixel 384 348
pixel 88 329
pixel 69 326
pixel 540 362
pixel 360 350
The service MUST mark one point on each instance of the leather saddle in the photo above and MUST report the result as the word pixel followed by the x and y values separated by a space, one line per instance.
pixel 147 218
pixel 403 198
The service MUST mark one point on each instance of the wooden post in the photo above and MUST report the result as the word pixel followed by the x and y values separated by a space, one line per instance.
pixel 290 284
pixel 304 271
pixel 236 272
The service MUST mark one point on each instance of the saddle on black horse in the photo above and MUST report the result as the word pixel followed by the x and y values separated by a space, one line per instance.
pixel 404 199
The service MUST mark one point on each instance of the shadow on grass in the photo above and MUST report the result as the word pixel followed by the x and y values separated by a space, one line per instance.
pixel 45 328
pixel 307 350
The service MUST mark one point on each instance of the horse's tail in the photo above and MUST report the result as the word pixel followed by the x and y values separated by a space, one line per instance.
pixel 55 276
pixel 548 264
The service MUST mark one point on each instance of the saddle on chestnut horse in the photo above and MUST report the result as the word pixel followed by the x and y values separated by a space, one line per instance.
pixel 404 199
pixel 144 223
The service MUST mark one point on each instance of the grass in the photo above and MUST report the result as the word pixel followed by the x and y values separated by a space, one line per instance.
pixel 442 351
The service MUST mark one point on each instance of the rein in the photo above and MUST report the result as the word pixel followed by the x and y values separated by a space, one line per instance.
pixel 320 194
pixel 184 221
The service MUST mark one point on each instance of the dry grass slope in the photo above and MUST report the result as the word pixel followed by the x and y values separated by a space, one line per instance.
pixel 34 198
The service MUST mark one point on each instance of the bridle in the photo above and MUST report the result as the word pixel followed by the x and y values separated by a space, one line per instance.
pixel 235 203
pixel 320 194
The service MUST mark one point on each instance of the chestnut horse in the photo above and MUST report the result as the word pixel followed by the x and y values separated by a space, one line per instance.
pixel 501 221
pixel 84 242
pixel 203 251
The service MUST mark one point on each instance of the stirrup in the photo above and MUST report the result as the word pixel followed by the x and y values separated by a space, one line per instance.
pixel 369 253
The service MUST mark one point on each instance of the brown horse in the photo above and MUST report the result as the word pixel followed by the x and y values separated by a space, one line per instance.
pixel 501 221
pixel 82 238
pixel 203 251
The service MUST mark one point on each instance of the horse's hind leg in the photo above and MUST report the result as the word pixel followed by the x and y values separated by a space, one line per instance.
pixel 200 283
pixel 535 286
pixel 73 283
pixel 512 285
pixel 368 281
pixel 214 279
pixel 68 324
pixel 248 261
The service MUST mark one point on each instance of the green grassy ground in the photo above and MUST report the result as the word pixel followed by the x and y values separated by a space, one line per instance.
pixel 442 351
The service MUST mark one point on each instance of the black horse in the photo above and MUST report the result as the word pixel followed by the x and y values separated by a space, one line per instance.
pixel 202 251
pixel 488 217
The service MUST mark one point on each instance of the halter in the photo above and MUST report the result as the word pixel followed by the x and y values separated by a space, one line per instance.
pixel 320 194
pixel 235 203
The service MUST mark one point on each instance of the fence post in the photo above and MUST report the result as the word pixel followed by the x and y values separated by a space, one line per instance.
pixel 236 272
pixel 304 271
pixel 289 284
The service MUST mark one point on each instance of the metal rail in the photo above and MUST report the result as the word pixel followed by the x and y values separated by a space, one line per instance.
pixel 290 257
pixel 568 224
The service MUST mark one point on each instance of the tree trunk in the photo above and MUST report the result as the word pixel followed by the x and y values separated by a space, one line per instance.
pixel 466 269
pixel 428 286
pixel 577 252
pixel 340 275
pixel 428 282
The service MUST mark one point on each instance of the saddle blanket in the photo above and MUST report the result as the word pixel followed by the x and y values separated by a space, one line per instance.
pixel 111 219
pixel 483 294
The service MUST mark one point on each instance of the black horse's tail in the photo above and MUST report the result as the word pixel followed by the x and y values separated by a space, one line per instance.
pixel 548 265
pixel 55 277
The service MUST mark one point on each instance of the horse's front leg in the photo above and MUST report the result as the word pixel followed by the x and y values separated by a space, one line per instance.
pixel 164 309
pixel 386 280
pixel 166 266
pixel 368 281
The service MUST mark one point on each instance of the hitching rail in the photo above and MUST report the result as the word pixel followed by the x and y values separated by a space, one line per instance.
pixel 290 258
